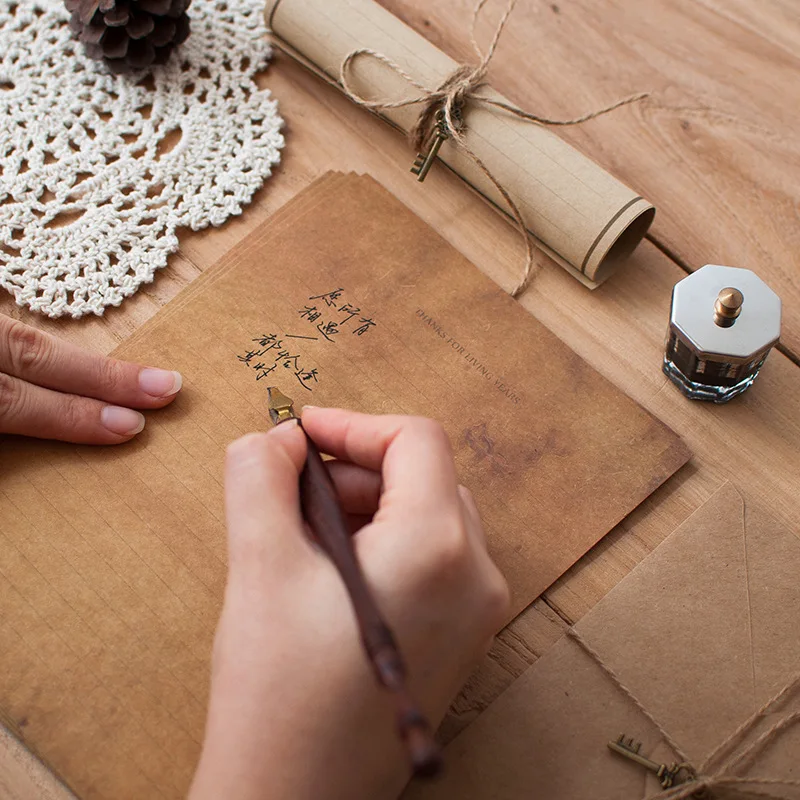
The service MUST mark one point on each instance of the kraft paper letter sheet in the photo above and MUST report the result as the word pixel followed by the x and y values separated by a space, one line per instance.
pixel 703 632
pixel 112 560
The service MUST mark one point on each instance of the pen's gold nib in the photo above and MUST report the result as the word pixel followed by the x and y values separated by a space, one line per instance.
pixel 281 407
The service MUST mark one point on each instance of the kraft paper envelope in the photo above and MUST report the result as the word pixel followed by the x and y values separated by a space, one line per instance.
pixel 112 560
pixel 703 633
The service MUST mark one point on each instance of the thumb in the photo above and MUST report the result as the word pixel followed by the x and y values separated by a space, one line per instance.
pixel 266 535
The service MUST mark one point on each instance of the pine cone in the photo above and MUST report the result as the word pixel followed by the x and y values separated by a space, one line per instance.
pixel 129 34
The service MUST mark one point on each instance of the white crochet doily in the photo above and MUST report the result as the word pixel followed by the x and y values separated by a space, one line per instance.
pixel 97 171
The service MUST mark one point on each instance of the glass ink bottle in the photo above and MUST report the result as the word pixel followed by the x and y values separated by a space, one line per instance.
pixel 723 323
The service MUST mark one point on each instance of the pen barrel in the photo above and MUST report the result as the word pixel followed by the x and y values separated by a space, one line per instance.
pixel 323 513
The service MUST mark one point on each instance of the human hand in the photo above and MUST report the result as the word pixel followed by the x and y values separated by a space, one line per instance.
pixel 51 389
pixel 295 710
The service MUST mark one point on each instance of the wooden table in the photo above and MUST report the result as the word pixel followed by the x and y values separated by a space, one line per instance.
pixel 714 147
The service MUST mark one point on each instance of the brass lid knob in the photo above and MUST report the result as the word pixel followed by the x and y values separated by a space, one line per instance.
pixel 728 306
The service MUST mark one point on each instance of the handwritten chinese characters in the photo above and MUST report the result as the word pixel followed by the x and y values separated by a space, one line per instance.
pixel 331 317
pixel 271 355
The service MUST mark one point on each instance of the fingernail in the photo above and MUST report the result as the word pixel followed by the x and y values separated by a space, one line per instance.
pixel 306 408
pixel 122 421
pixel 160 382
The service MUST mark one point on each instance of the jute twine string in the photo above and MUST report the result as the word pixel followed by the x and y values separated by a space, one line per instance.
pixel 461 86
pixel 723 776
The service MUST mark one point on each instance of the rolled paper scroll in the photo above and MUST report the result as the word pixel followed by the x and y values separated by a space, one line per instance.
pixel 576 212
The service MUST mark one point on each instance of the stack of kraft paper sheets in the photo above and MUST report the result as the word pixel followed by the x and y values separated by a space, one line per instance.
pixel 112 560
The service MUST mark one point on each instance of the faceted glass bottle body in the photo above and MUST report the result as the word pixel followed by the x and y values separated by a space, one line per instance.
pixel 704 378
pixel 723 323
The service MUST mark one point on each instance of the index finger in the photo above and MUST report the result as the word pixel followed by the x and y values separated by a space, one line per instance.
pixel 412 453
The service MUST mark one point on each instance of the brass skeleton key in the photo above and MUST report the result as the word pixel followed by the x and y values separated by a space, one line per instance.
pixel 424 161
pixel 668 775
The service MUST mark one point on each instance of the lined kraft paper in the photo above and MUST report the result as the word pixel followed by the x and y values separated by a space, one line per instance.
pixel 703 632
pixel 578 213
pixel 112 560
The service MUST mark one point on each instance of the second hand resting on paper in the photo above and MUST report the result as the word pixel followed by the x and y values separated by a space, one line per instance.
pixel 51 389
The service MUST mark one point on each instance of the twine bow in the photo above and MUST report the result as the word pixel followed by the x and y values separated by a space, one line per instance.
pixel 723 775
pixel 461 86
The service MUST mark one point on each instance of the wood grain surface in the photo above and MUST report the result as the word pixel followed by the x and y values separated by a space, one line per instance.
pixel 714 148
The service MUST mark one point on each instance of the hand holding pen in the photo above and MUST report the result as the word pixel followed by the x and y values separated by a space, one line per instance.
pixel 325 516
pixel 294 704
